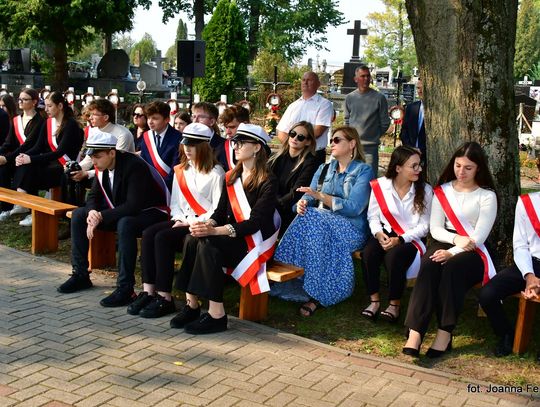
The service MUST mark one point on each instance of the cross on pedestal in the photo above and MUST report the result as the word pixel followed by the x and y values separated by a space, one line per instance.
pixel 356 32
pixel 525 81
pixel 158 59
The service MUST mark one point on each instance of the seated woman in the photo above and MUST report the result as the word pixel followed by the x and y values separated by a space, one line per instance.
pixel 60 141
pixel 23 134
pixel 243 224
pixel 462 214
pixel 181 120
pixel 398 216
pixel 294 166
pixel 140 125
pixel 196 190
pixel 322 239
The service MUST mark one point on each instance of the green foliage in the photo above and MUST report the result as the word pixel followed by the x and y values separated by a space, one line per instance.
pixel 143 51
pixel 181 31
pixel 527 38
pixel 226 53
pixel 94 46
pixel 171 54
pixel 123 41
pixel 390 38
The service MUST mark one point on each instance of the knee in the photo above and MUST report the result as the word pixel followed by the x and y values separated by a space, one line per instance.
pixel 79 216
pixel 487 296
pixel 126 225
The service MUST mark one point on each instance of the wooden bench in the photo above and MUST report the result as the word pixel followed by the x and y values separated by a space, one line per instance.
pixel 255 307
pixel 524 323
pixel 45 215
pixel 102 248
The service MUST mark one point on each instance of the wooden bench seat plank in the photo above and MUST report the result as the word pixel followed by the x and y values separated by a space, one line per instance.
pixel 34 202
pixel 280 272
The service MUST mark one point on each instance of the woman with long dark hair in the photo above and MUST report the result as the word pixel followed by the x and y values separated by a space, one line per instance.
pixel 238 236
pixel 8 104
pixel 398 216
pixel 23 134
pixel 181 120
pixel 196 190
pixel 140 125
pixel 463 211
pixel 331 223
pixel 60 141
pixel 293 166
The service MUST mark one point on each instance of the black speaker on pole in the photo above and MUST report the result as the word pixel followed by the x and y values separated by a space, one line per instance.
pixel 191 58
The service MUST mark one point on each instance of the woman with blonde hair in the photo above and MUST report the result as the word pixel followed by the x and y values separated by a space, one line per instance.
pixel 332 223
pixel 293 166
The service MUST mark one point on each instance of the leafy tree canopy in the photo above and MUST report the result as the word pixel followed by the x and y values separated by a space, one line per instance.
pixel 527 38
pixel 143 51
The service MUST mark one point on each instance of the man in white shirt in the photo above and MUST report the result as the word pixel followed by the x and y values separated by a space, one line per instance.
pixel 523 275
pixel 312 108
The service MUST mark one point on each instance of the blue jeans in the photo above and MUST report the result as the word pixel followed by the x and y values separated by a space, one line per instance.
pixel 128 229
pixel 371 151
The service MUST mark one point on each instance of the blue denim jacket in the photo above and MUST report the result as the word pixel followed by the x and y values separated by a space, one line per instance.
pixel 350 191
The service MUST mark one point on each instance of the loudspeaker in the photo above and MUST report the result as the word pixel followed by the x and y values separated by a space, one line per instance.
pixel 191 58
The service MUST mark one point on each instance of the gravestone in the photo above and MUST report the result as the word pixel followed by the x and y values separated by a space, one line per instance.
pixel 408 92
pixel 19 60
pixel 114 65
pixel 349 68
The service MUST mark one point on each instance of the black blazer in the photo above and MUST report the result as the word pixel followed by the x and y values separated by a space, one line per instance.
pixel 11 147
pixel 410 131
pixel 300 177
pixel 70 140
pixel 134 189
pixel 218 145
pixel 263 204
pixel 4 125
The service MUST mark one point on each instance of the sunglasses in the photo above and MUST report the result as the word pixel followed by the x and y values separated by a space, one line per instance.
pixel 238 144
pixel 21 100
pixel 336 140
pixel 299 137
pixel 138 115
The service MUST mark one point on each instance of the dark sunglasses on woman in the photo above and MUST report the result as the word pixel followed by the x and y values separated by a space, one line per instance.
pixel 138 115
pixel 299 137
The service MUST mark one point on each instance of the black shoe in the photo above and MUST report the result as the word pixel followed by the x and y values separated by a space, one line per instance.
pixel 412 351
pixel 158 307
pixel 206 325
pixel 142 300
pixel 434 353
pixel 504 346
pixel 185 316
pixel 75 283
pixel 118 298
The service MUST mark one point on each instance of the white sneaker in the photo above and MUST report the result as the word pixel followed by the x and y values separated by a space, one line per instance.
pixel 26 221
pixel 4 215
pixel 18 210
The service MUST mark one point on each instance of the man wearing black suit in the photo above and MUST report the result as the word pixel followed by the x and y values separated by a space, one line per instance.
pixel 159 146
pixel 413 132
pixel 4 125
pixel 125 197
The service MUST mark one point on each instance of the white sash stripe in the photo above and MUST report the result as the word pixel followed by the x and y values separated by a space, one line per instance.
pixel 99 175
pixel 20 129
pixel 160 162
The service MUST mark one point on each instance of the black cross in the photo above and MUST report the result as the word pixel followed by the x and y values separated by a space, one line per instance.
pixel 356 32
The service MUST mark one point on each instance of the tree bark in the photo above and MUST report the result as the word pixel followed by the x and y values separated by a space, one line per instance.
pixel 198 12
pixel 107 43
pixel 465 51
pixel 60 67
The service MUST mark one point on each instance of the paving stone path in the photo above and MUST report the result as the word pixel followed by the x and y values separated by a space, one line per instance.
pixel 58 350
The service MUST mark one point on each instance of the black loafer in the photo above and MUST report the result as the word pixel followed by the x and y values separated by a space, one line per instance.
pixel 206 325
pixel 504 346
pixel 185 316
pixel 76 282
pixel 118 298
pixel 157 307
pixel 142 300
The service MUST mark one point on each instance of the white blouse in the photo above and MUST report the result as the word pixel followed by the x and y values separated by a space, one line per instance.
pixel 479 207
pixel 418 223
pixel 526 240
pixel 208 185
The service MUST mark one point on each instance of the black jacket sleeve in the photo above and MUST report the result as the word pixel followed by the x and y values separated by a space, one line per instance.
pixel 300 178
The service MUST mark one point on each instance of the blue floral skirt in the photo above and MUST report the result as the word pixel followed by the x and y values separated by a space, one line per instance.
pixel 321 242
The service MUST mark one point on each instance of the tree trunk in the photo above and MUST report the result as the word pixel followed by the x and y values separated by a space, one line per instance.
pixel 254 26
pixel 198 12
pixel 60 67
pixel 465 51
pixel 107 43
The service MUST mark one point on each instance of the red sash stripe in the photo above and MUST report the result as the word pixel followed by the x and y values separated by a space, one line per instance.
pixel 18 127
pixel 62 160
pixel 152 153
pixel 531 212
pixel 199 210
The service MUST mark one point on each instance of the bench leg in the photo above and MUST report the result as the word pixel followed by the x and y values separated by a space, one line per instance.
pixel 102 252
pixel 253 307
pixel 524 325
pixel 56 194
pixel 44 232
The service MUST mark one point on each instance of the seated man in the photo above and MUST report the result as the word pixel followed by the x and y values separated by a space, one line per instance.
pixel 522 275
pixel 207 113
pixel 125 197
pixel 231 118
pixel 159 146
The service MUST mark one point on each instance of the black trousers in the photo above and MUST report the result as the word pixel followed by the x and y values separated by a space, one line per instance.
pixel 35 176
pixel 397 261
pixel 507 282
pixel 442 288
pixel 6 181
pixel 201 273
pixel 128 229
pixel 160 242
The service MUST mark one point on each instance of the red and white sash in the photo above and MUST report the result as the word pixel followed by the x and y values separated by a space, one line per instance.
pixel 108 199
pixel 229 153
pixel 391 213
pixel 158 163
pixel 196 201
pixel 19 129
pixel 452 210
pixel 52 127
pixel 252 269
pixel 530 202
pixel 86 132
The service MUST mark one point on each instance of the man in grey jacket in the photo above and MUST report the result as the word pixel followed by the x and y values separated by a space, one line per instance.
pixel 367 111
